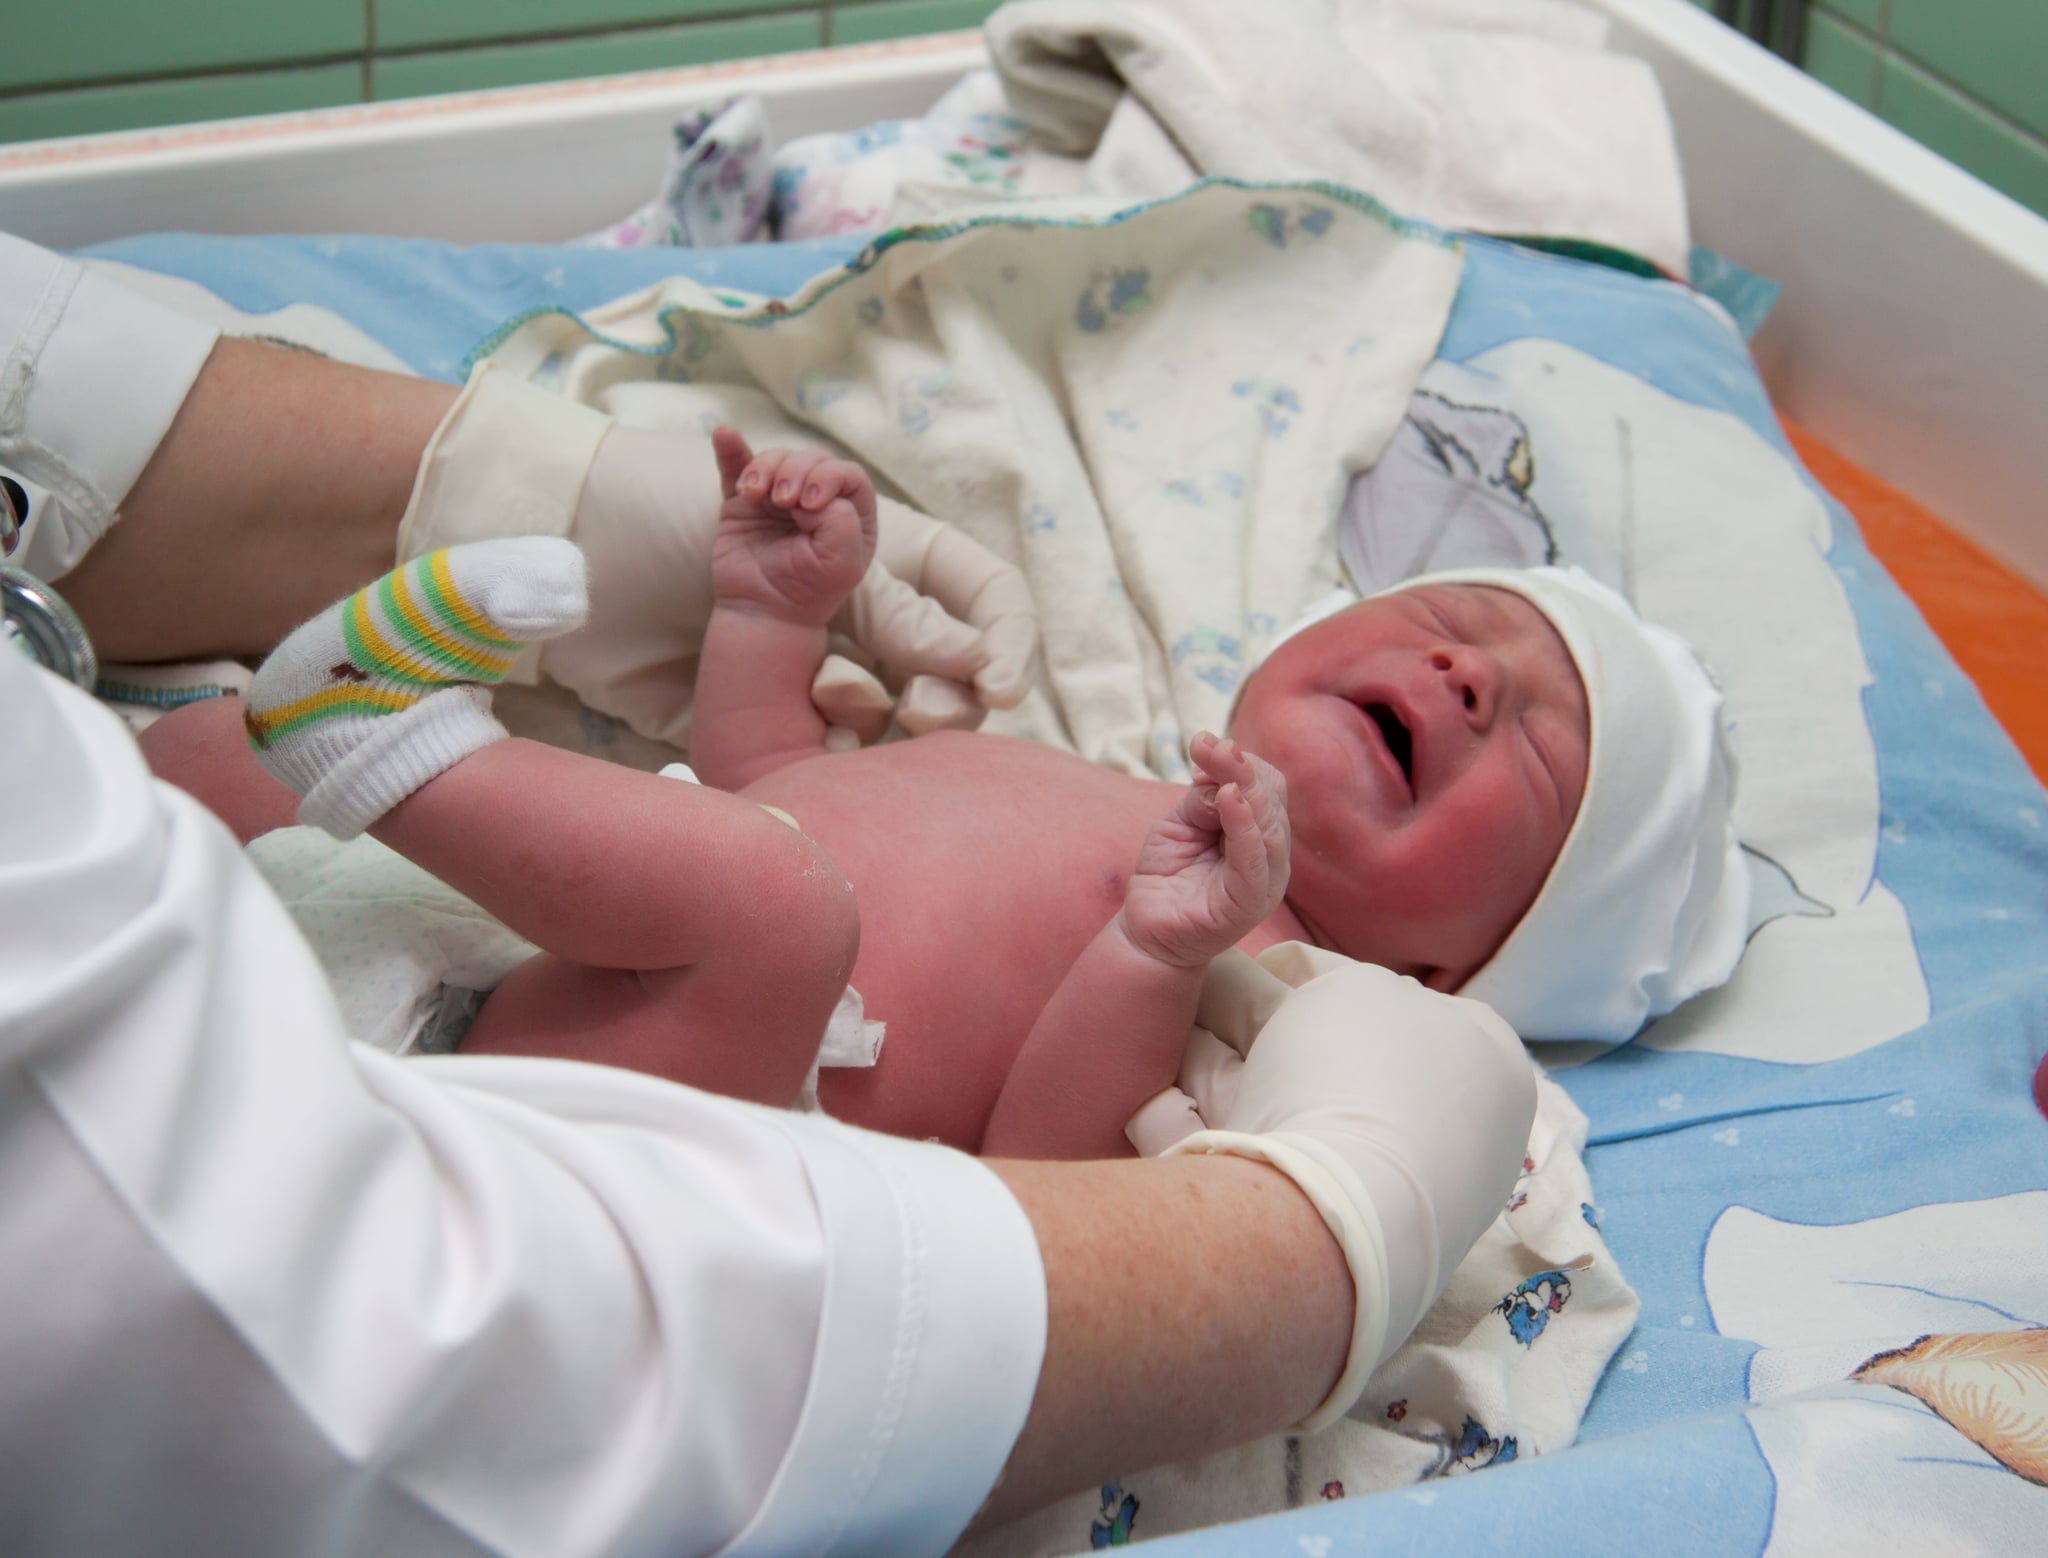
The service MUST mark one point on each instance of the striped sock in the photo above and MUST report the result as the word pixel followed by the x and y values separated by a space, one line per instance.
pixel 387 689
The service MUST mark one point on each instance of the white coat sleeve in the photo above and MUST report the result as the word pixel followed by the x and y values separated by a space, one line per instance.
pixel 91 375
pixel 271 1291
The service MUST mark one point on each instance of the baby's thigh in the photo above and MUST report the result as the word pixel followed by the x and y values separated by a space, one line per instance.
pixel 203 750
pixel 669 1023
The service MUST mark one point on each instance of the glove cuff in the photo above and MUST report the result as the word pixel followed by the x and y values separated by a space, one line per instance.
pixel 1347 1211
pixel 507 460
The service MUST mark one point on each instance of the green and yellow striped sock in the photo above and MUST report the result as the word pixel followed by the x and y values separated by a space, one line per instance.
pixel 388 689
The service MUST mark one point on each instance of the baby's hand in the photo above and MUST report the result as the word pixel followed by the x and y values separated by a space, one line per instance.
pixel 1216 865
pixel 796 530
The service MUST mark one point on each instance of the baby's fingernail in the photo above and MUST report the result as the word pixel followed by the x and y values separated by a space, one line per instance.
pixel 813 495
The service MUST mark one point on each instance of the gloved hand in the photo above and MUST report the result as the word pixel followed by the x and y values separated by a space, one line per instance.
pixel 1403 1116
pixel 940 612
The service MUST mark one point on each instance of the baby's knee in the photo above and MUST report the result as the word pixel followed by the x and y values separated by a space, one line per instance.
pixel 810 908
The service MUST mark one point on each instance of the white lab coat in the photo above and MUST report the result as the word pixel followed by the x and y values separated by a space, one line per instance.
pixel 263 1289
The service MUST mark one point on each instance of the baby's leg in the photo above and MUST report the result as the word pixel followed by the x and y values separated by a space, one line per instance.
pixel 684 931
pixel 201 749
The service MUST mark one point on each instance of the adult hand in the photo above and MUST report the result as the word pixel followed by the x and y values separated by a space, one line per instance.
pixel 1403 1116
pixel 940 616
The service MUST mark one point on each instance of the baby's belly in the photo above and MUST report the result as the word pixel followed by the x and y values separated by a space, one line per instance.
pixel 982 868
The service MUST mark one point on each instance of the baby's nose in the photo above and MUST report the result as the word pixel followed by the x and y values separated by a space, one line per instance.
pixel 1473 678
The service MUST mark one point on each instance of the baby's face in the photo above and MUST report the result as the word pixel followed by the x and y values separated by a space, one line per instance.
pixel 1435 745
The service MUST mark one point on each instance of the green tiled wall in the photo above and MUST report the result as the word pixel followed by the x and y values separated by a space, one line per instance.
pixel 557 59
pixel 1964 77
pixel 110 40
pixel 78 66
pixel 1967 78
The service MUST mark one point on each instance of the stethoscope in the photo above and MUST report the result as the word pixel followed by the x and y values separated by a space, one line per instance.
pixel 33 617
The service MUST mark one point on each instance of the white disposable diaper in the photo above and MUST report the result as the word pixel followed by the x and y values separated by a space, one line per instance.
pixel 400 947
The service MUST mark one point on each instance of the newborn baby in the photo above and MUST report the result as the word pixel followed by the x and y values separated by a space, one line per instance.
pixel 1499 783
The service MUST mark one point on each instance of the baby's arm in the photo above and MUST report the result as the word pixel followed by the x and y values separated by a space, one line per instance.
pixel 1112 1034
pixel 795 534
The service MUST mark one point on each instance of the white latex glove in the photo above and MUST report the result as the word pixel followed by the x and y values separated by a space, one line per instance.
pixel 1402 1115
pixel 510 459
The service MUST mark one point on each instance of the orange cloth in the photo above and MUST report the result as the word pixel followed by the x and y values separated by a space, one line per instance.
pixel 1993 621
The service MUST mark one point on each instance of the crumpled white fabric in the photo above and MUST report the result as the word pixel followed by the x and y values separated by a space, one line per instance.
pixel 1152 410
pixel 1498 116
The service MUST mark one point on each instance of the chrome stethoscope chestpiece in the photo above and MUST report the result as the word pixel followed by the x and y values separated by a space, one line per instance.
pixel 33 617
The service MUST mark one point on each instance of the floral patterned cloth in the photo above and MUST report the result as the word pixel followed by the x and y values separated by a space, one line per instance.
pixel 716 189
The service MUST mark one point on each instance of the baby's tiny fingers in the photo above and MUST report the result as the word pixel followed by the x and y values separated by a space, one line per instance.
pixel 729 449
pixel 835 528
pixel 1264 784
pixel 1267 798
pixel 761 472
pixel 832 479
pixel 1244 842
pixel 795 472
pixel 1225 760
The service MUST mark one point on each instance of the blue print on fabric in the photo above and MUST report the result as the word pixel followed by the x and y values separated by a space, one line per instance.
pixel 1476 1449
pixel 815 391
pixel 861 143
pixel 1277 404
pixel 1127 292
pixel 917 400
pixel 787 184
pixel 1112 1527
pixel 1213 657
pixel 1270 222
pixel 1527 1310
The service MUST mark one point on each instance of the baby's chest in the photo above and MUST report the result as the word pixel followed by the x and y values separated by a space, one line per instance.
pixel 967 858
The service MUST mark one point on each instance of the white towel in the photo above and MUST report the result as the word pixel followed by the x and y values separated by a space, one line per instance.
pixel 1498 116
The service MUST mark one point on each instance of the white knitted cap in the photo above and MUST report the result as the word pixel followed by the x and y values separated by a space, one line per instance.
pixel 1647 902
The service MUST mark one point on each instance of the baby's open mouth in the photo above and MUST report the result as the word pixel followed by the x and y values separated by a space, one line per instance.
pixel 1396 736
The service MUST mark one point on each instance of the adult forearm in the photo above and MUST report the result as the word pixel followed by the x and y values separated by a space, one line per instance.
pixel 278 488
pixel 1193 1304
